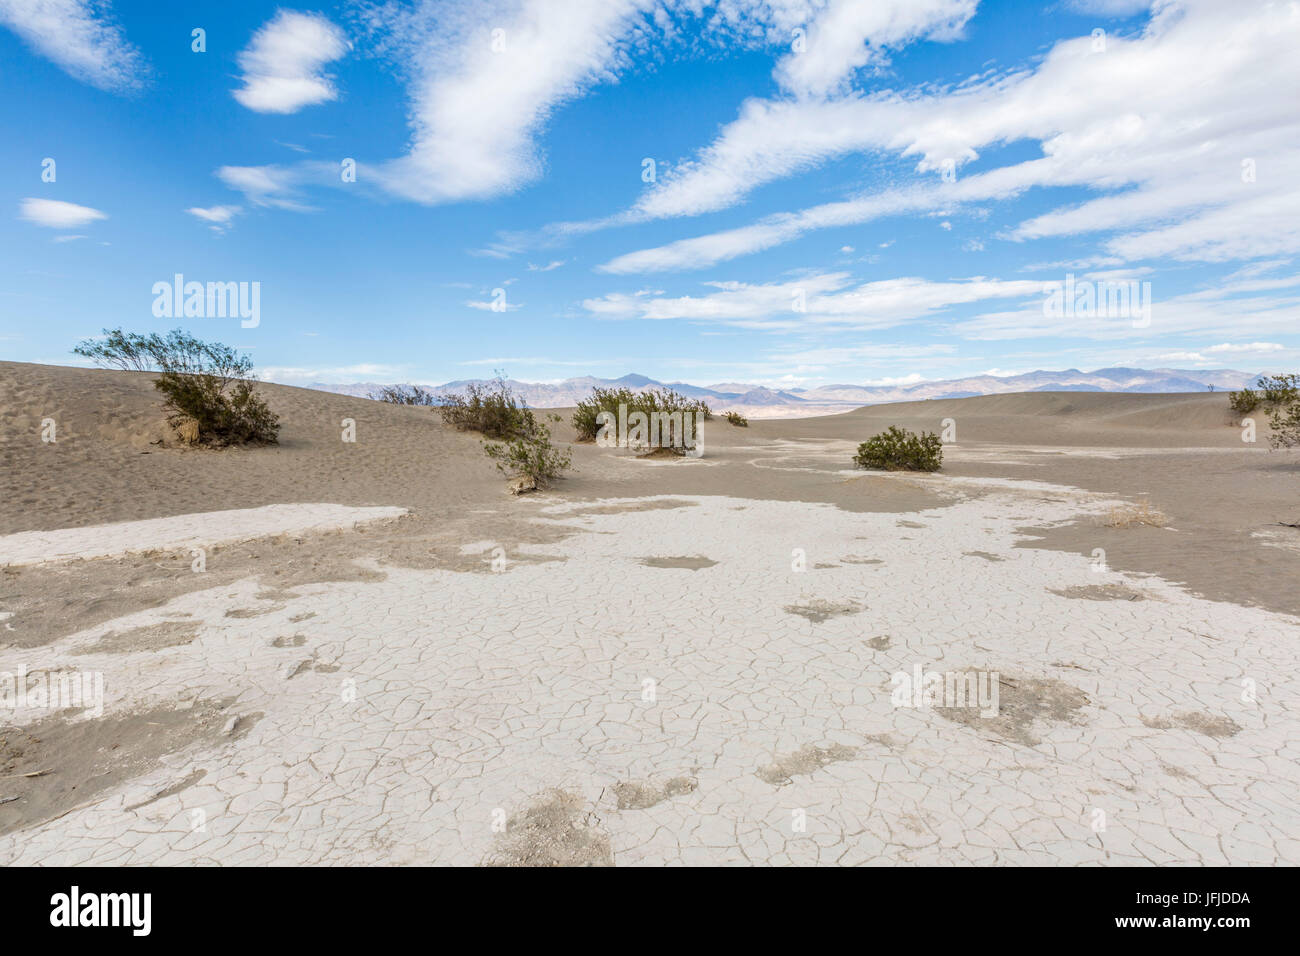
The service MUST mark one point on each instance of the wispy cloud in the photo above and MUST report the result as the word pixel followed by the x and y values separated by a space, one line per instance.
pixel 828 300
pixel 79 36
pixel 289 374
pixel 219 218
pixel 1108 117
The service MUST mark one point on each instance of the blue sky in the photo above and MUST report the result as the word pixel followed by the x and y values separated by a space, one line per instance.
pixel 856 192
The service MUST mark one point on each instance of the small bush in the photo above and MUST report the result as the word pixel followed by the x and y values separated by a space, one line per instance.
pixel 208 388
pixel 225 411
pixel 737 419
pixel 1279 389
pixel 177 351
pixel 1131 515
pixel 532 455
pixel 1286 426
pixel 1243 402
pixel 897 449
pixel 585 417
pixel 494 411
pixel 406 395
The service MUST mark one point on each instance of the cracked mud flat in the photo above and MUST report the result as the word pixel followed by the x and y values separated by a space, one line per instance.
pixel 605 711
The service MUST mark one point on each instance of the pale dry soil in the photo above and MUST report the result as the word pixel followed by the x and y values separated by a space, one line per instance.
pixel 656 662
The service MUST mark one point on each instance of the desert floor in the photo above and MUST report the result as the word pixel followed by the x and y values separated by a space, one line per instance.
pixel 385 658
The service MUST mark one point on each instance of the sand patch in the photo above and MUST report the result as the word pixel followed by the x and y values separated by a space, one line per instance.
pixel 688 562
pixel 182 532
pixel 87 757
pixel 807 759
pixel 659 504
pixel 987 556
pixel 820 611
pixel 241 613
pixel 644 794
pixel 1101 592
pixel 553 831
pixel 1023 702
pixel 1210 725
pixel 153 637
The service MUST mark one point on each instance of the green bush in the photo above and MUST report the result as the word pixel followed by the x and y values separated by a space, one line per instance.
pixel 532 455
pixel 1243 402
pixel 177 351
pixel 585 417
pixel 494 411
pixel 1286 426
pixel 1279 389
pixel 737 419
pixel 900 450
pixel 227 411
pixel 406 395
pixel 206 386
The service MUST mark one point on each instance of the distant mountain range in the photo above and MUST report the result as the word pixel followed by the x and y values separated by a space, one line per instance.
pixel 764 402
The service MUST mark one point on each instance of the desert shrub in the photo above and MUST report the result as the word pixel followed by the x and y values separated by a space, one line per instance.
pixel 208 388
pixel 406 395
pixel 1134 515
pixel 1279 389
pixel 1286 426
pixel 531 455
pixel 225 411
pixel 1243 402
pixel 897 449
pixel 177 351
pixel 585 417
pixel 737 419
pixel 492 410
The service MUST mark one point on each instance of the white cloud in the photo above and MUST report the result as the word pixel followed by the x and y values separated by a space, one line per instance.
pixel 77 36
pixel 57 214
pixel 1110 8
pixel 282 66
pixel 1222 310
pixel 484 80
pixel 1205 171
pixel 331 374
pixel 270 185
pixel 1254 348
pixel 218 217
pixel 850 34
pixel 493 305
pixel 827 300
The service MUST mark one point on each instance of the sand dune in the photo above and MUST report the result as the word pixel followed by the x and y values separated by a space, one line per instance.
pixel 1053 418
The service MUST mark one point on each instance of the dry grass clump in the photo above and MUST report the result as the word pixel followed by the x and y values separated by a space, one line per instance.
pixel 1134 515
